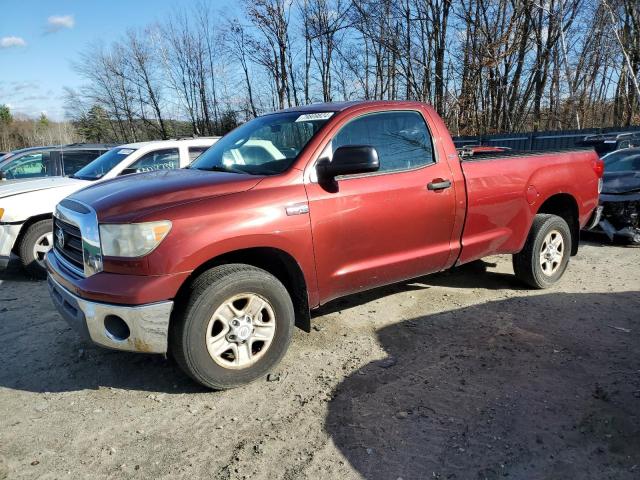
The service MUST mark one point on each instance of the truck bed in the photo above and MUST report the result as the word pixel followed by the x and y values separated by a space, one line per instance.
pixel 505 190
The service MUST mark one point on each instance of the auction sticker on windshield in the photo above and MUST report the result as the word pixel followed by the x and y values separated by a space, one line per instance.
pixel 310 117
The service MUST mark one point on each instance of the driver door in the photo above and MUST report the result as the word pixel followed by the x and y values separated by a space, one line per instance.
pixel 387 226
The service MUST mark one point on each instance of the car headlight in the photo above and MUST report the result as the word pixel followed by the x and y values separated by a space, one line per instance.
pixel 132 240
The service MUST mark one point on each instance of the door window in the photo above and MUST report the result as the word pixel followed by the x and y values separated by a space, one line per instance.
pixel 75 160
pixel 32 165
pixel 195 152
pixel 401 139
pixel 165 159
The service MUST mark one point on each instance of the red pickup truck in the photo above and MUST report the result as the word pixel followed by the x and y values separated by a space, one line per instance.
pixel 217 263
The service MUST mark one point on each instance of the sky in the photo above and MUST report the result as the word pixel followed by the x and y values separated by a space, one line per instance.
pixel 39 39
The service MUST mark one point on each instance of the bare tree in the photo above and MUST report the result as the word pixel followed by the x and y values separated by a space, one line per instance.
pixel 485 65
pixel 271 20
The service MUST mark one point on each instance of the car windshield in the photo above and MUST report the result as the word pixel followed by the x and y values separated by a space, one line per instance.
pixel 622 161
pixel 103 164
pixel 266 145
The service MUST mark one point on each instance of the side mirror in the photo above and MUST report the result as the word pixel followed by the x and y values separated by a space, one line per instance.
pixel 348 160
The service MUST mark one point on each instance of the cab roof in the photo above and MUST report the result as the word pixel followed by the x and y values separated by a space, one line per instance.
pixel 341 106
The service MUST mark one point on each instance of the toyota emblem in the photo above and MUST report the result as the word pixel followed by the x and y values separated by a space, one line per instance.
pixel 60 238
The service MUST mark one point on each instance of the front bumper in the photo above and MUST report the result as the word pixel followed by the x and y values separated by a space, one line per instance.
pixel 621 216
pixel 8 236
pixel 141 328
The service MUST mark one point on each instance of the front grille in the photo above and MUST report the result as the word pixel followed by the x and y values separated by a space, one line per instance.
pixel 71 248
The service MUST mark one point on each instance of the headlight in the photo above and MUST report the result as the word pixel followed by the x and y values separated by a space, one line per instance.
pixel 132 240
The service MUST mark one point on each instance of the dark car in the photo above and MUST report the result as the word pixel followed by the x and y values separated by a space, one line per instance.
pixel 620 198
pixel 51 161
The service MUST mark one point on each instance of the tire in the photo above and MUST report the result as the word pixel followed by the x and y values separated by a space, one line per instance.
pixel 33 247
pixel 528 264
pixel 204 324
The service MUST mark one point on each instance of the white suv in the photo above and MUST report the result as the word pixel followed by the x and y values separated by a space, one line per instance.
pixel 26 206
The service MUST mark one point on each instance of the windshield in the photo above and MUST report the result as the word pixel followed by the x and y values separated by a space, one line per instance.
pixel 622 161
pixel 103 164
pixel 264 146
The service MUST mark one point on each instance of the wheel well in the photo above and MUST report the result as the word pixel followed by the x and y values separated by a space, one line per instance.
pixel 278 263
pixel 26 226
pixel 566 207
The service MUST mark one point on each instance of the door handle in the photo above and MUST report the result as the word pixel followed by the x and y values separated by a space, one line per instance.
pixel 439 184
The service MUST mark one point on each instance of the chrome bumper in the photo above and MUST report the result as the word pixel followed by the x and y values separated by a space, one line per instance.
pixel 142 328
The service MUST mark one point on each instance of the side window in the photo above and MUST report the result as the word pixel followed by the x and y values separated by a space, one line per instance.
pixel 28 166
pixel 157 160
pixel 632 162
pixel 401 139
pixel 75 160
pixel 195 152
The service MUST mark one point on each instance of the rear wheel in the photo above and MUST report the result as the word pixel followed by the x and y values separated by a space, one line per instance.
pixel 35 244
pixel 236 325
pixel 545 255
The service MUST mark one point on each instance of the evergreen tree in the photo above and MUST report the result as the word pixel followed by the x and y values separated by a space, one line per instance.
pixel 5 115
pixel 95 126
pixel 43 121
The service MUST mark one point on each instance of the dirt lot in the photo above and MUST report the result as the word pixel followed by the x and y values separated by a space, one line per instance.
pixel 459 375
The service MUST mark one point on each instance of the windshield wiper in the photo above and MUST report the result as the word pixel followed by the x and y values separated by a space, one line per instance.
pixel 218 168
pixel 85 177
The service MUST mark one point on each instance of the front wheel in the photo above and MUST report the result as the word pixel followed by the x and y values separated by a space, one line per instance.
pixel 545 255
pixel 35 244
pixel 236 325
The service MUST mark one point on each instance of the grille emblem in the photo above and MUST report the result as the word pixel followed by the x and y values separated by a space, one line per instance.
pixel 60 237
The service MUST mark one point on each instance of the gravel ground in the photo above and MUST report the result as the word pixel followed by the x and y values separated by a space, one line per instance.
pixel 459 375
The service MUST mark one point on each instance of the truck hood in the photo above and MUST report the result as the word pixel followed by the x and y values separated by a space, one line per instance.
pixel 11 188
pixel 130 196
pixel 621 182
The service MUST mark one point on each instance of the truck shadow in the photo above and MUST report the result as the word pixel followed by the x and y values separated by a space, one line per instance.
pixel 40 353
pixel 74 366
pixel 537 387
pixel 471 275
pixel 475 275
